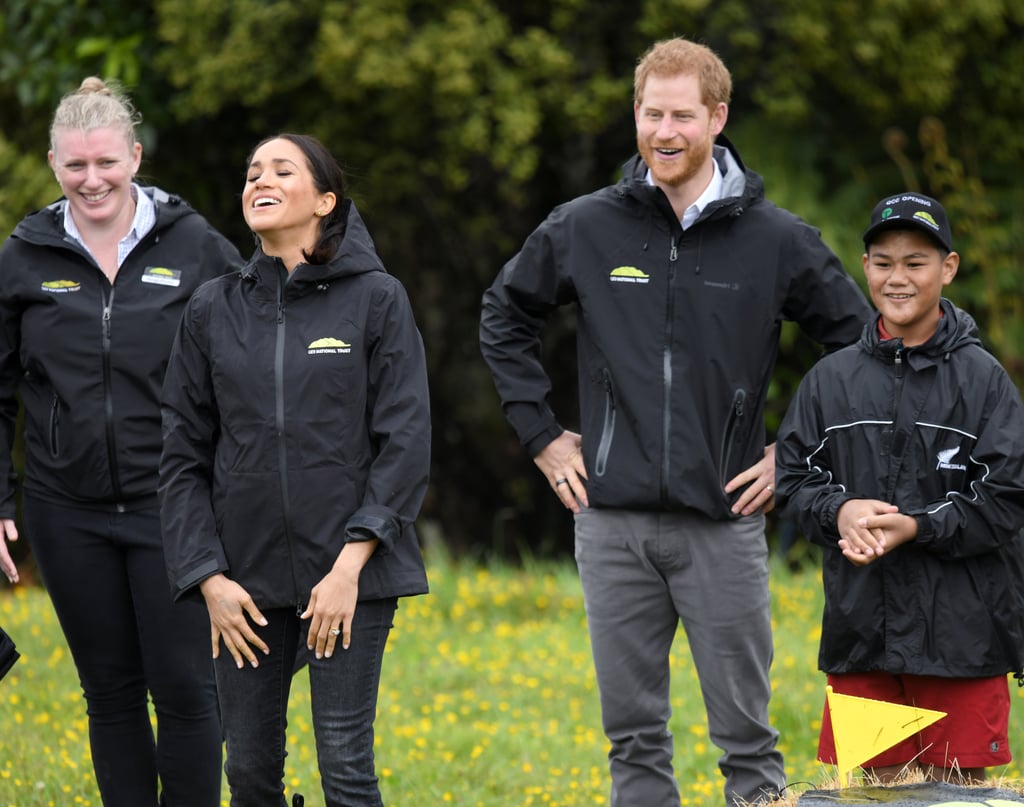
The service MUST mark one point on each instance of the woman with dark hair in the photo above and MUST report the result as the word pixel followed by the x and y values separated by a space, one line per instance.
pixel 296 457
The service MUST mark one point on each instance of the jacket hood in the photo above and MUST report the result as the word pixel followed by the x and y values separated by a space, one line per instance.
pixel 956 329
pixel 356 256
pixel 740 185
pixel 46 226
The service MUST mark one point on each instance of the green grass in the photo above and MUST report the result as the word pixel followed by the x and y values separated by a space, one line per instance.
pixel 488 700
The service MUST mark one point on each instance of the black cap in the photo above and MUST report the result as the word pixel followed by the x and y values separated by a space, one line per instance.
pixel 910 211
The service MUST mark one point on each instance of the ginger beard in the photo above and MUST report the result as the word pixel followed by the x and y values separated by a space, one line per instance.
pixel 676 162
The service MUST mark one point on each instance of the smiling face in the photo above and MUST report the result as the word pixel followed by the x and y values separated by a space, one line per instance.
pixel 906 272
pixel 280 201
pixel 675 131
pixel 95 169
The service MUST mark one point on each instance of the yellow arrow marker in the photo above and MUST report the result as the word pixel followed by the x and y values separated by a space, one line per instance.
pixel 864 728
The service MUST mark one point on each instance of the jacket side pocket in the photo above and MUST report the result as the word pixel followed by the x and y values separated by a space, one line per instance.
pixel 604 447
pixel 732 426
pixel 55 427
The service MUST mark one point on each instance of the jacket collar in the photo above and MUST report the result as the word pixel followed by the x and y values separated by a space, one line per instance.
pixel 956 329
pixel 740 186
pixel 46 226
pixel 357 255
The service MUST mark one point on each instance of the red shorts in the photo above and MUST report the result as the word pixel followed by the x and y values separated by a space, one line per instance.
pixel 971 735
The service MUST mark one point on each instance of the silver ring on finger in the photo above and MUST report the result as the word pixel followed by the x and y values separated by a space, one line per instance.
pixel 335 631
pixel 770 489
pixel 560 482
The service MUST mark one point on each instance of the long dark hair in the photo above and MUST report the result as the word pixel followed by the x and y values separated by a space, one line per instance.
pixel 327 177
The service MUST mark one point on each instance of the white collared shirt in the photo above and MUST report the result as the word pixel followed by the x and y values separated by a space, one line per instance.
pixel 142 223
pixel 712 193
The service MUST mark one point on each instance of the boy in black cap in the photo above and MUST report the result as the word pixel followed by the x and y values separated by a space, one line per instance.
pixel 903 456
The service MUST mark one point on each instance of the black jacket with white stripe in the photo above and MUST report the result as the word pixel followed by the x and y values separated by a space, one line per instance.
pixel 938 430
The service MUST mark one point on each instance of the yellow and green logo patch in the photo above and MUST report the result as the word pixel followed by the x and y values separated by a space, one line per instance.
pixel 61 286
pixel 628 274
pixel 328 344
pixel 161 276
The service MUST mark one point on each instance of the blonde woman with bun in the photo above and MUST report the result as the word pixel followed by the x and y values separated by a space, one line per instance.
pixel 91 291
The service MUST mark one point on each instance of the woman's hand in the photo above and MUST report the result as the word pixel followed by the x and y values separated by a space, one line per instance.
pixel 228 604
pixel 332 602
pixel 8 532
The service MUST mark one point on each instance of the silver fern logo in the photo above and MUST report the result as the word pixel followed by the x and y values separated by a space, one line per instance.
pixel 945 458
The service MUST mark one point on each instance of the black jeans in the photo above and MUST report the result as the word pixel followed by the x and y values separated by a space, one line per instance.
pixel 343 689
pixel 106 576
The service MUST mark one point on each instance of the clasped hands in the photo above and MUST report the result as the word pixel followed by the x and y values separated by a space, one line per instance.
pixel 868 528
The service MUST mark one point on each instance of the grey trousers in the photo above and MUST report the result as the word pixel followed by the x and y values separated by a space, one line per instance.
pixel 643 572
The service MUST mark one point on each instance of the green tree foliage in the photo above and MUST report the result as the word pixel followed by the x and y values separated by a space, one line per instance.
pixel 461 123
pixel 46 48
pixel 44 45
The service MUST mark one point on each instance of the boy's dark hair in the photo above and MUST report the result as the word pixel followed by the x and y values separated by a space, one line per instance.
pixel 910 211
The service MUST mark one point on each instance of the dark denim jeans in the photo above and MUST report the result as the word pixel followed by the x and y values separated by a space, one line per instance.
pixel 343 690
pixel 105 574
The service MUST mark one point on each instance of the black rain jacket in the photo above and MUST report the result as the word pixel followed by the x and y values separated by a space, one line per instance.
pixel 937 430
pixel 89 357
pixel 296 418
pixel 677 332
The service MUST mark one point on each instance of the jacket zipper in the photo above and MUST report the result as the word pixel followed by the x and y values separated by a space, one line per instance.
pixel 666 374
pixel 108 398
pixel 282 448
pixel 895 450
pixel 608 430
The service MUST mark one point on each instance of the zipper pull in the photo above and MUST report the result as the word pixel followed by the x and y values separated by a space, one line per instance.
pixel 606 377
pixel 673 254
pixel 739 398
